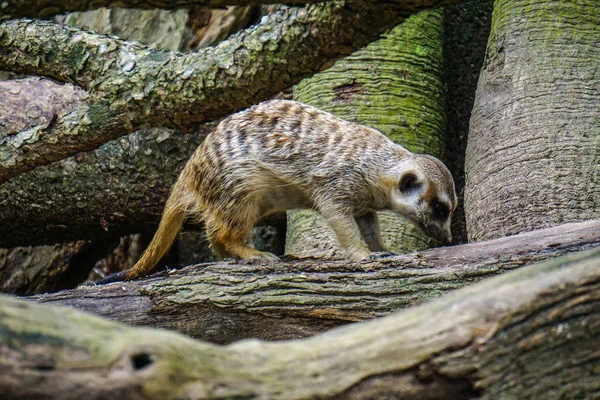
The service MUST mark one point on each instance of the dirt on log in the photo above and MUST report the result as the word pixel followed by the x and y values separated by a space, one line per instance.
pixel 228 301
pixel 531 333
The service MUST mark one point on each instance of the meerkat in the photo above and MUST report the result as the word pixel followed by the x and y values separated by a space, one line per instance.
pixel 281 155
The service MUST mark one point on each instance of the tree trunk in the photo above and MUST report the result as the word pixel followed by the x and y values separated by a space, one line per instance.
pixel 115 190
pixel 395 85
pixel 210 27
pixel 466 29
pixel 31 270
pixel 132 86
pixel 533 156
pixel 230 301
pixel 530 334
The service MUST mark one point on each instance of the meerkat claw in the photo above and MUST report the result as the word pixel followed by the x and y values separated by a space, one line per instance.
pixel 380 254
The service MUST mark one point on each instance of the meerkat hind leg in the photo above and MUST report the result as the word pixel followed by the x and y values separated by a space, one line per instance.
pixel 239 249
pixel 232 242
pixel 217 247
pixel 212 229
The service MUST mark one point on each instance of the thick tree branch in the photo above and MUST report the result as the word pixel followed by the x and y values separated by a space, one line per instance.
pixel 224 302
pixel 28 109
pixel 117 189
pixel 48 8
pixel 132 86
pixel 532 334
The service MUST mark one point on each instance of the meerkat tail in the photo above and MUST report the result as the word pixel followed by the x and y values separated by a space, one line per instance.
pixel 171 221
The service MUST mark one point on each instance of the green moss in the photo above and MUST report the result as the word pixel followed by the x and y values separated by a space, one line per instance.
pixel 547 24
pixel 99 114
pixel 393 84
pixel 13 338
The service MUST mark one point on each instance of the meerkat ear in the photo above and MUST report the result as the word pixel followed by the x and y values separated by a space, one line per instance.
pixel 408 182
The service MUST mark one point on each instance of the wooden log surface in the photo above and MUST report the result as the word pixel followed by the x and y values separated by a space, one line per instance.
pixel 531 334
pixel 228 301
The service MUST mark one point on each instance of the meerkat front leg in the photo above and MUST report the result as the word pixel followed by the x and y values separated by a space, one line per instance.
pixel 371 232
pixel 347 233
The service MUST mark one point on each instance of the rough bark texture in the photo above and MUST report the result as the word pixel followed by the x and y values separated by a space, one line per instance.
pixel 394 85
pixel 117 189
pixel 132 86
pixel 533 156
pixel 466 30
pixel 48 8
pixel 31 270
pixel 28 102
pixel 158 29
pixel 530 334
pixel 226 301
pixel 210 27
pixel 182 30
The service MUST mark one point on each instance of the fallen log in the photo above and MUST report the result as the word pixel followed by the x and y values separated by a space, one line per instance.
pixel 533 333
pixel 228 301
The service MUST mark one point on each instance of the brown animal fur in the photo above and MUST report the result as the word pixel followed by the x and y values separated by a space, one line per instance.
pixel 281 155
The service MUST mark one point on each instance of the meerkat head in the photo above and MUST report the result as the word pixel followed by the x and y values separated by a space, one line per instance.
pixel 424 193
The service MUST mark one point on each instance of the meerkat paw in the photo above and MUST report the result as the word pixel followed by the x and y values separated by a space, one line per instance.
pixel 377 255
pixel 264 255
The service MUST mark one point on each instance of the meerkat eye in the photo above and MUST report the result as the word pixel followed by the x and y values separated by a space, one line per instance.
pixel 408 183
pixel 440 210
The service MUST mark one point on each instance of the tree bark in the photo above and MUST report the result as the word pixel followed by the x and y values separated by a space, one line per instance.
pixel 31 270
pixel 179 30
pixel 115 190
pixel 395 85
pixel 28 102
pixel 229 301
pixel 157 29
pixel 533 155
pixel 45 8
pixel 532 334
pixel 132 86
pixel 466 30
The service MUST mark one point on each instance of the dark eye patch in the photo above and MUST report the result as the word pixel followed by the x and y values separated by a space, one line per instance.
pixel 440 210
pixel 408 182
